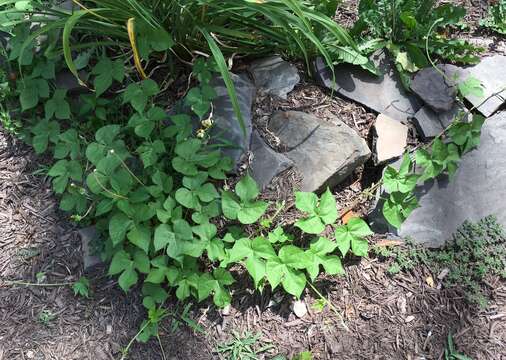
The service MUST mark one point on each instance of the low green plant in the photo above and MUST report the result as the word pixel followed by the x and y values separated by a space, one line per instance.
pixel 82 287
pixel 242 347
pixel 476 250
pixel 496 20
pixel 441 158
pixel 46 317
pixel 451 352
pixel 402 27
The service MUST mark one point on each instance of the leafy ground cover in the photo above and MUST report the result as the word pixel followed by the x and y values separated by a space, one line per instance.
pixel 113 152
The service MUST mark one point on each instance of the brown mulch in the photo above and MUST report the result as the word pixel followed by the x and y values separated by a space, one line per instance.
pixel 398 317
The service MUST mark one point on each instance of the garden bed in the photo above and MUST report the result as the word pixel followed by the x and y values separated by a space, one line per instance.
pixel 370 312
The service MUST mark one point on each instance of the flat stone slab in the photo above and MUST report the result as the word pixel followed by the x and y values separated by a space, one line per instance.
pixel 392 137
pixel 275 76
pixel 491 72
pixel 430 124
pixel 226 127
pixel 266 163
pixel 436 90
pixel 384 94
pixel 477 190
pixel 324 153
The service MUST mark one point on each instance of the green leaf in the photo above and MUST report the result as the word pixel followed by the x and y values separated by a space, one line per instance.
pixel 128 279
pixel 398 207
pixel 187 198
pixel 57 106
pixel 318 255
pixel 247 189
pixel 256 269
pixel 278 236
pixel 306 202
pixel 163 236
pixel 106 134
pixel 118 226
pixel 140 236
pixel 250 212
pixel 294 282
pixel 352 236
pixel 471 87
pixel 141 261
pixel 293 257
pixel 120 261
pixel 327 209
pixel 311 225
pixel 402 180
pixel 82 287
pixel 182 229
pixel 230 205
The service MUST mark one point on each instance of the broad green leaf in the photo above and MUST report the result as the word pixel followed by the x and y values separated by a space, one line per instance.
pixel 187 198
pixel 294 282
pixel 120 261
pixel 398 207
pixel 141 261
pixel 256 268
pixel 250 212
pixel 327 209
pixel 118 226
pixel 311 225
pixel 306 202
pixel 230 205
pixel 163 236
pixel 140 236
pixel 247 189
pixel 128 279
pixel 293 257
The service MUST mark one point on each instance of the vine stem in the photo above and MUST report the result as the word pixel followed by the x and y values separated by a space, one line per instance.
pixel 127 349
pixel 336 311
pixel 23 283
pixel 107 190
pixel 127 168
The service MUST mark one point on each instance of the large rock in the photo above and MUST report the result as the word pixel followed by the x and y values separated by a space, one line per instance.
pixel 477 190
pixel 383 94
pixel 492 75
pixel 392 137
pixel 436 87
pixel 226 127
pixel 275 76
pixel 266 163
pixel 324 153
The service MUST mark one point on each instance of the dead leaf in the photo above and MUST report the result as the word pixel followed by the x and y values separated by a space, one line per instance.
pixel 430 281
pixel 347 216
pixel 388 242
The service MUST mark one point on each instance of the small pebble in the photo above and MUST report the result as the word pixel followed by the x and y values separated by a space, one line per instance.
pixel 409 319
pixel 299 308
pixel 226 310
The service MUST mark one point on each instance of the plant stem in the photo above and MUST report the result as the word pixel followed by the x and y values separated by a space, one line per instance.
pixel 23 283
pixel 127 349
pixel 128 169
pixel 336 311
